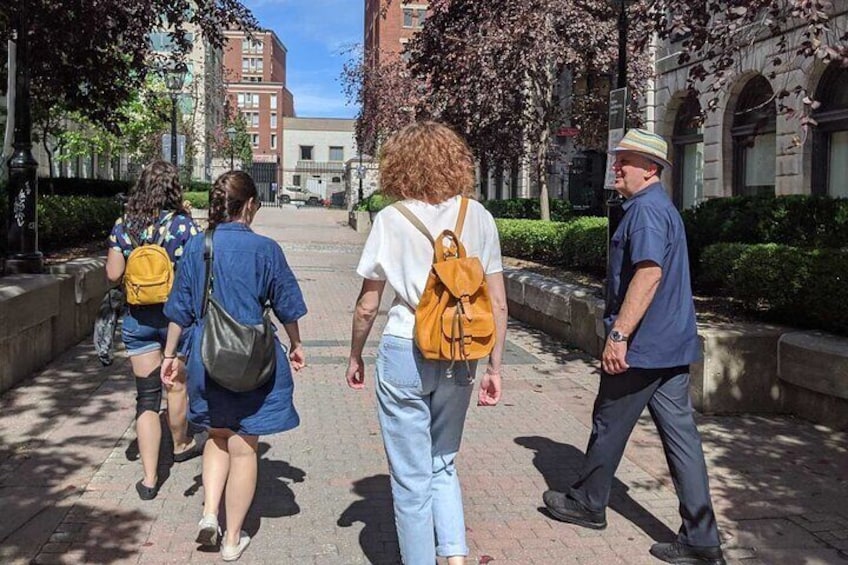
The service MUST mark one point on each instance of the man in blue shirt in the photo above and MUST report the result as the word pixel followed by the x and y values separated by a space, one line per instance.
pixel 651 340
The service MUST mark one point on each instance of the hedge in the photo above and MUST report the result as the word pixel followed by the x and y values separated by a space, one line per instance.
pixel 792 285
pixel 373 203
pixel 197 186
pixel 98 188
pixel 797 220
pixel 579 244
pixel 529 209
pixel 67 220
pixel 197 199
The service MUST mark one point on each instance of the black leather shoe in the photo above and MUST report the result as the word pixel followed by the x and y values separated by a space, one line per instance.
pixel 569 510
pixel 677 552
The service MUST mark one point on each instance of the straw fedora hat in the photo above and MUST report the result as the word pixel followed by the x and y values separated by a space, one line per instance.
pixel 646 143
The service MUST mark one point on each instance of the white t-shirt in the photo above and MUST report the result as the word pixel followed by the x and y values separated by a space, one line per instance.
pixel 398 253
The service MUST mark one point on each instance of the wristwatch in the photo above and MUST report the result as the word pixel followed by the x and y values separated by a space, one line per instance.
pixel 618 337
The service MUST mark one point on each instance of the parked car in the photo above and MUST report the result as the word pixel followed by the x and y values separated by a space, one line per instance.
pixel 291 194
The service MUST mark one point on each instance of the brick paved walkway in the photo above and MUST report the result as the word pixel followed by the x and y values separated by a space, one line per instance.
pixel 68 459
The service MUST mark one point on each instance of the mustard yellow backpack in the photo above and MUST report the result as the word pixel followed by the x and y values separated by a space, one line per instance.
pixel 454 319
pixel 149 274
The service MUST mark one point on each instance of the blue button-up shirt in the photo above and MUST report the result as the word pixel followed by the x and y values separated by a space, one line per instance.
pixel 652 230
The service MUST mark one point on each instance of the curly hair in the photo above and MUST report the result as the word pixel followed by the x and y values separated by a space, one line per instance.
pixel 229 196
pixel 158 188
pixel 426 161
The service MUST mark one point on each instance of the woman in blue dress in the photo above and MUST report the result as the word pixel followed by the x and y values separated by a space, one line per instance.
pixel 154 213
pixel 249 271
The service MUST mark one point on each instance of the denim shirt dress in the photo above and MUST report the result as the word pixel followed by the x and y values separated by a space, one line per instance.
pixel 249 270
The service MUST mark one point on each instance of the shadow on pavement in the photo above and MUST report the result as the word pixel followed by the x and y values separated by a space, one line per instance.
pixel 560 465
pixel 274 498
pixel 378 537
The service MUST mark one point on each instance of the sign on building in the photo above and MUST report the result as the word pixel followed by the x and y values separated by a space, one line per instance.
pixel 617 124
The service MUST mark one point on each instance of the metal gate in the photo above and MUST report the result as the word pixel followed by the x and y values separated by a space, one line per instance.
pixel 265 177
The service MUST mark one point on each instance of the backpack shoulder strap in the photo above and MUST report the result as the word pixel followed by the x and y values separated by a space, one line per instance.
pixel 160 239
pixel 460 220
pixel 413 219
pixel 133 241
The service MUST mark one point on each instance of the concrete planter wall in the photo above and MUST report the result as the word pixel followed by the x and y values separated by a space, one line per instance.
pixel 746 368
pixel 43 315
pixel 360 221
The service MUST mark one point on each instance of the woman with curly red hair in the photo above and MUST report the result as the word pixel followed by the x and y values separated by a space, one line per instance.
pixel 423 403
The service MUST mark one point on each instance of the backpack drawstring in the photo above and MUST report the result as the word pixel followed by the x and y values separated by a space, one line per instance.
pixel 458 314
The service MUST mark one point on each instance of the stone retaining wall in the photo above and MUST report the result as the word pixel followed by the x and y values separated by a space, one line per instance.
pixel 43 315
pixel 746 368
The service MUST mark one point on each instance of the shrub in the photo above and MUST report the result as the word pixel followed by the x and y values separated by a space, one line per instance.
pixel 718 262
pixel 373 203
pixel 770 276
pixel 821 303
pixel 197 186
pixel 97 188
pixel 68 220
pixel 579 244
pixel 197 199
pixel 528 209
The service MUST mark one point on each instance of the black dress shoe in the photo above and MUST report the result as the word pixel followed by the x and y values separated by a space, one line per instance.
pixel 678 552
pixel 569 510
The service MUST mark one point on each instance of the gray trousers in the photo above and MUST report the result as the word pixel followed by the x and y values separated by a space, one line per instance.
pixel 620 401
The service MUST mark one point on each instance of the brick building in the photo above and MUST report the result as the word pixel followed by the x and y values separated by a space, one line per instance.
pixel 386 34
pixel 255 77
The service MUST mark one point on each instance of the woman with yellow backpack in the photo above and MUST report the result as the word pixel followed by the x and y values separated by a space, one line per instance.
pixel 144 247
pixel 440 253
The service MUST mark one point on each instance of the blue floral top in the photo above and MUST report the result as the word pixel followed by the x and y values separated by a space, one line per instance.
pixel 182 228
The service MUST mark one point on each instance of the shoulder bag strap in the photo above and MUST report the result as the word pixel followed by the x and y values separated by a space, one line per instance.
pixel 207 258
pixel 133 241
pixel 460 220
pixel 413 219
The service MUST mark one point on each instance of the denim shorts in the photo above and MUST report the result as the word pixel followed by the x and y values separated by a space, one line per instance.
pixel 144 329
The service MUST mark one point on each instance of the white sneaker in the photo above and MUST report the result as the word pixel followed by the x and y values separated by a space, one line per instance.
pixel 209 531
pixel 233 552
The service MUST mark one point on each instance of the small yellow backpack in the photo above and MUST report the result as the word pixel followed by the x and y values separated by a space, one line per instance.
pixel 454 319
pixel 149 274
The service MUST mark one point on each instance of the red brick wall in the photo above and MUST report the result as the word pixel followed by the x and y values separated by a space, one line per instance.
pixel 384 33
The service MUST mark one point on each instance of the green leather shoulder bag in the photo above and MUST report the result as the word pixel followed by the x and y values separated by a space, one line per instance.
pixel 236 356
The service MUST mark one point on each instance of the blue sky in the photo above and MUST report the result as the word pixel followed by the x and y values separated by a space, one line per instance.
pixel 315 32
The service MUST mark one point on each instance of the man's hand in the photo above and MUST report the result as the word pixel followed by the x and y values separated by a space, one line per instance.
pixel 613 359
pixel 355 375
pixel 490 389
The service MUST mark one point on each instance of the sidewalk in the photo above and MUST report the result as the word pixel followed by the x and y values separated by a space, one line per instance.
pixel 68 459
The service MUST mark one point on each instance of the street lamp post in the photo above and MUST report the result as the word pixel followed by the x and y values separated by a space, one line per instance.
pixel 614 200
pixel 174 79
pixel 22 233
pixel 231 135
pixel 360 172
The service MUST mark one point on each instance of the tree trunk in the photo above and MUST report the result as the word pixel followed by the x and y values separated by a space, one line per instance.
pixel 542 176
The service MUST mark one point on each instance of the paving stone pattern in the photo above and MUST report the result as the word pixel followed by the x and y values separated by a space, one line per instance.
pixel 68 459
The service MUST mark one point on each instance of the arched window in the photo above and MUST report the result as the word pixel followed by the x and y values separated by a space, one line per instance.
pixel 830 141
pixel 754 139
pixel 688 143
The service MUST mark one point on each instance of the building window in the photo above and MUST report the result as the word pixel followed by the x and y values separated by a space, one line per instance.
pixel 336 180
pixel 251 119
pixel 754 139
pixel 296 180
pixel 274 101
pixel 407 17
pixel 414 16
pixel 251 65
pixel 306 152
pixel 254 139
pixel 273 141
pixel 688 143
pixel 422 17
pixel 248 46
pixel 830 140
pixel 336 153
pixel 273 119
pixel 247 100
pixel 240 99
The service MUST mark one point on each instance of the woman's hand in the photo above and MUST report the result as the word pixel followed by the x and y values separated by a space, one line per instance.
pixel 170 370
pixel 296 356
pixel 355 375
pixel 490 388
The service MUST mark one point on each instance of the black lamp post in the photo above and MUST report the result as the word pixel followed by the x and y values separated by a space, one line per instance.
pixel 614 200
pixel 174 79
pixel 231 135
pixel 22 233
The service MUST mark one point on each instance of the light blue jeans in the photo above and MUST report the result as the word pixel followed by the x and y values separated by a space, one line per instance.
pixel 422 413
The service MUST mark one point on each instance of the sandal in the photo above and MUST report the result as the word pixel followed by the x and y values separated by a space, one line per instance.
pixel 195 450
pixel 145 492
